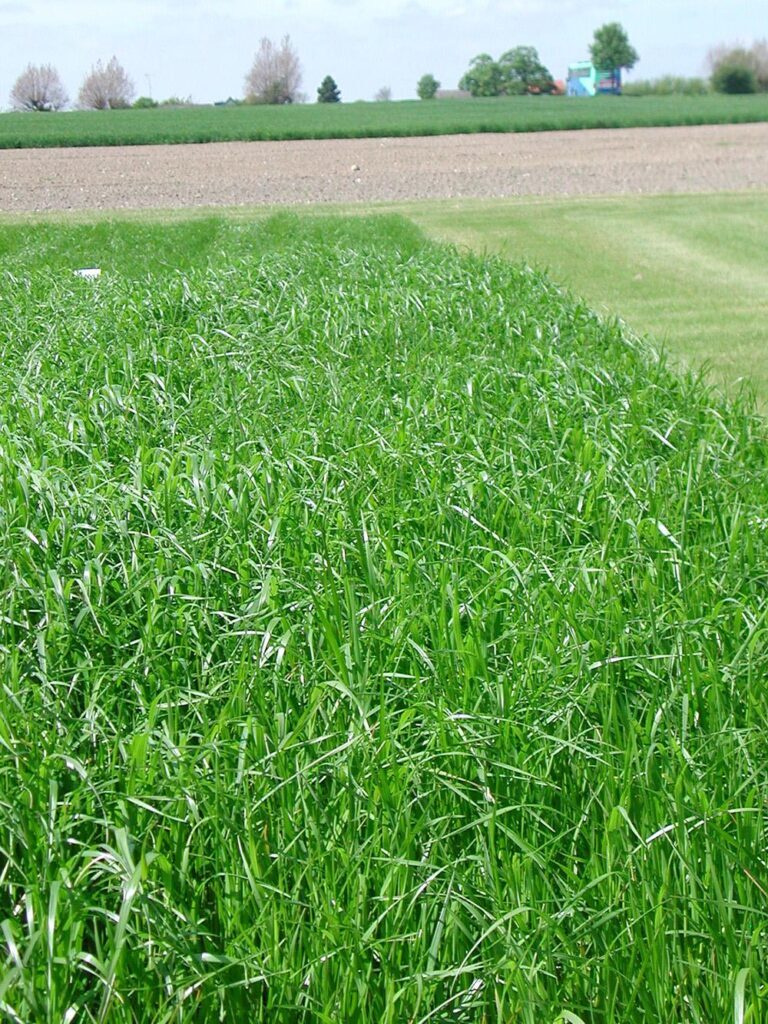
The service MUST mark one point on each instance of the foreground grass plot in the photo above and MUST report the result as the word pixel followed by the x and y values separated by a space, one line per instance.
pixel 382 638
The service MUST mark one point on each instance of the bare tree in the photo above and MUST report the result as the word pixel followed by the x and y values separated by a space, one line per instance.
pixel 383 95
pixel 275 74
pixel 715 55
pixel 39 87
pixel 107 87
pixel 760 58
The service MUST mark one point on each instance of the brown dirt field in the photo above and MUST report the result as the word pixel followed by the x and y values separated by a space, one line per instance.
pixel 596 162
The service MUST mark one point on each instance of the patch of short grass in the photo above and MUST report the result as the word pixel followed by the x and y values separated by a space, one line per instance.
pixel 686 269
pixel 382 639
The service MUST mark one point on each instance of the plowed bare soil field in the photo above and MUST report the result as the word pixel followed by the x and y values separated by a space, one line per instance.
pixel 706 158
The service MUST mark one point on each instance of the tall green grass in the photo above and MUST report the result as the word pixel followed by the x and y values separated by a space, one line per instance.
pixel 383 638
pixel 361 120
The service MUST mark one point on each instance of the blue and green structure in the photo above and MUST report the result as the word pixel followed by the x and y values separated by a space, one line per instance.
pixel 584 79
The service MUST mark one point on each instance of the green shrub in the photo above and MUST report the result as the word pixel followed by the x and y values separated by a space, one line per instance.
pixel 426 87
pixel 734 79
pixel 754 57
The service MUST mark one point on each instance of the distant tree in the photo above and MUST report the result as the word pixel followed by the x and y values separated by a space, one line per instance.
pixel 610 48
pixel 328 91
pixel 145 103
pixel 39 87
pixel 517 71
pixel 753 58
pixel 484 77
pixel 426 87
pixel 734 79
pixel 107 87
pixel 383 95
pixel 275 75
pixel 522 71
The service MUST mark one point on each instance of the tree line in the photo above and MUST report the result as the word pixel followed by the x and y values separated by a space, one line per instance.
pixel 520 70
pixel 275 76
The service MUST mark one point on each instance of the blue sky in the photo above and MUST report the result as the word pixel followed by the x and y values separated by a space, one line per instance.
pixel 202 49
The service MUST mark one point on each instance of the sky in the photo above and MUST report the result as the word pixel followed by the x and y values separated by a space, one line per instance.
pixel 202 50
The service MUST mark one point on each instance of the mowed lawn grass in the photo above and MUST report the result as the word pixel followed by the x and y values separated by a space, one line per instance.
pixel 383 639
pixel 688 269
pixel 359 120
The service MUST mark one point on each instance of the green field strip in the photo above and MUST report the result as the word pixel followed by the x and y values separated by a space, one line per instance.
pixel 371 120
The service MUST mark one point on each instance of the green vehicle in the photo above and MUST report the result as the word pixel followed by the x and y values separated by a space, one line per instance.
pixel 584 79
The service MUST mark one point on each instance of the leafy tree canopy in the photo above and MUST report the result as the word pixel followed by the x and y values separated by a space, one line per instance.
pixel 517 71
pixel 611 49
pixel 426 87
pixel 523 71
pixel 484 76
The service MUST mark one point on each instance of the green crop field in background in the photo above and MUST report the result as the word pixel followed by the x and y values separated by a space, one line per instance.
pixel 690 270
pixel 357 120
pixel 383 639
